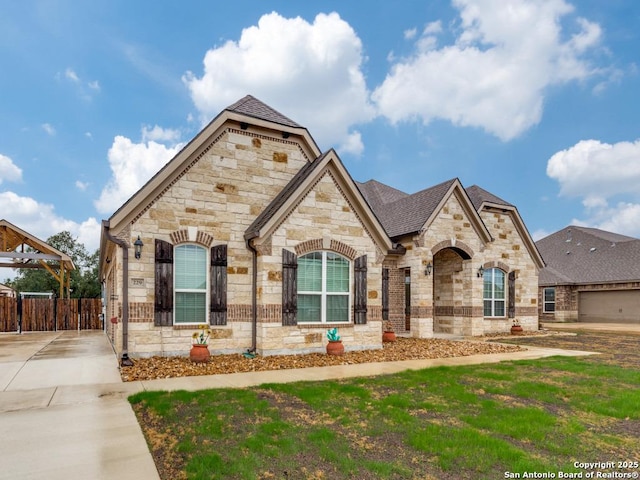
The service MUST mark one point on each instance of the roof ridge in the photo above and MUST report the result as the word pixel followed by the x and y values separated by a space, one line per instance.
pixel 253 107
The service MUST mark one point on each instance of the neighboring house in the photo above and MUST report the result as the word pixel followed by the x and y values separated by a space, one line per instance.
pixel 255 231
pixel 590 276
pixel 6 291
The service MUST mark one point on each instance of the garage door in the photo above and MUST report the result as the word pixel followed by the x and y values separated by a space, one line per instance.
pixel 614 306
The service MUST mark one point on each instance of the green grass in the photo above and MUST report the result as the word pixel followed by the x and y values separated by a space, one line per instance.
pixel 474 422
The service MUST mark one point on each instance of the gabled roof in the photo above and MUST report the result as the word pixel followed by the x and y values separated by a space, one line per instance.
pixel 289 197
pixel 480 197
pixel 378 194
pixel 246 111
pixel 402 214
pixel 252 107
pixel 580 255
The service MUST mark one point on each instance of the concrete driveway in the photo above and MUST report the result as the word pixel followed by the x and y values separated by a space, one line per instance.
pixel 64 412
pixel 622 328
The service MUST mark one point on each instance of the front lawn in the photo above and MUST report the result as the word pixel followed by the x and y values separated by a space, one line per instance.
pixel 476 422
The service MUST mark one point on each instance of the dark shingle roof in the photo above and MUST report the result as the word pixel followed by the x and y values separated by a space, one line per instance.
pixel 588 255
pixel 253 107
pixel 377 194
pixel 479 196
pixel 403 214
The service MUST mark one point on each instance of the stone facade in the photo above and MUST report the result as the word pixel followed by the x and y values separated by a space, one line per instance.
pixel 228 188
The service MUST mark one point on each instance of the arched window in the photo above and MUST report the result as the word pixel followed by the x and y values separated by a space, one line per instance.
pixel 190 284
pixel 323 288
pixel 494 293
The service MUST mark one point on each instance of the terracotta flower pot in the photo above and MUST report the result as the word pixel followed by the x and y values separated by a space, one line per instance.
pixel 335 348
pixel 199 353
pixel 516 330
pixel 388 336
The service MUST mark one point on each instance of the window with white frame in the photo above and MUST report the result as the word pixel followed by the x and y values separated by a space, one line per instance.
pixel 494 292
pixel 549 300
pixel 190 284
pixel 324 280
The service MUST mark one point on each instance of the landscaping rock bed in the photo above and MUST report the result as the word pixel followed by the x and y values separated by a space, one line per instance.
pixel 402 349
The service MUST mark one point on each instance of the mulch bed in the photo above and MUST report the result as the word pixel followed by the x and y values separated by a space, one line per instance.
pixel 402 349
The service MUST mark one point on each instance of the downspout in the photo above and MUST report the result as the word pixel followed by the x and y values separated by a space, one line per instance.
pixel 125 361
pixel 254 298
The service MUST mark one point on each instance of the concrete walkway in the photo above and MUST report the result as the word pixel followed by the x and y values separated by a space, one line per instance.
pixel 64 411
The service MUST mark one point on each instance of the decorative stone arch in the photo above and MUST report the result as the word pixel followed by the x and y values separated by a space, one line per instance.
pixel 457 246
pixel 185 236
pixel 326 244
pixel 496 264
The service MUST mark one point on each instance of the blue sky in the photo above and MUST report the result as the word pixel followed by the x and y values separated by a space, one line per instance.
pixel 537 102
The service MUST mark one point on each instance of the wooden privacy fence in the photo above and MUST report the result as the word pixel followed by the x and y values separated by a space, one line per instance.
pixel 50 315
pixel 8 314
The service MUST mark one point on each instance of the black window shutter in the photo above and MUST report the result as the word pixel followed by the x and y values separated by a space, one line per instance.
pixel 218 294
pixel 163 302
pixel 289 288
pixel 385 294
pixel 360 291
pixel 512 294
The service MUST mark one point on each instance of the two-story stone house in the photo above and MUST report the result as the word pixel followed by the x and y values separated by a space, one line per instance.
pixel 256 232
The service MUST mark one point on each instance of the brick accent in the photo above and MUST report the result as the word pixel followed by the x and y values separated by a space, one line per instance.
pixel 497 264
pixel 179 236
pixel 343 249
pixel 308 246
pixel 453 311
pixel 421 312
pixel 449 244
pixel 140 312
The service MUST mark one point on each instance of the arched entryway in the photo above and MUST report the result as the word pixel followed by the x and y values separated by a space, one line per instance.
pixel 452 289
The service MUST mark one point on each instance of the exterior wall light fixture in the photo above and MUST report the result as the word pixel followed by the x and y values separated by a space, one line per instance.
pixel 481 272
pixel 138 247
pixel 427 269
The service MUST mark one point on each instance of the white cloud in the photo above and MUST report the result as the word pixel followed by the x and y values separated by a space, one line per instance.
pixel 433 27
pixel 598 172
pixel 495 75
pixel 309 71
pixel 159 134
pixel 47 127
pixel 69 74
pixel 540 233
pixel 410 33
pixel 8 170
pixel 40 220
pixel 84 88
pixel 132 165
pixel 80 185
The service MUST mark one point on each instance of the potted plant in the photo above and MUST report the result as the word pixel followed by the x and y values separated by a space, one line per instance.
pixel 516 328
pixel 199 352
pixel 334 347
pixel 388 335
